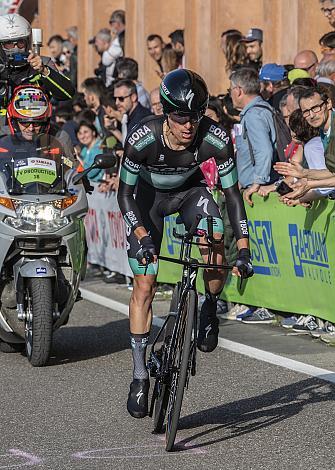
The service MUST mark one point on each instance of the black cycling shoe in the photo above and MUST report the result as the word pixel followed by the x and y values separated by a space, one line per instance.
pixel 208 332
pixel 137 404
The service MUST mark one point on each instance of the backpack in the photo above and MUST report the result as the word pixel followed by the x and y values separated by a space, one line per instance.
pixel 283 134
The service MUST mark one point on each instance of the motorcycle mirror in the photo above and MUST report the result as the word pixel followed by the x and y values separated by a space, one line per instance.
pixel 101 161
pixel 104 161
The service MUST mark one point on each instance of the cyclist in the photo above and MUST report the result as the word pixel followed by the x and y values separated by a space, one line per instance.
pixel 161 159
pixel 25 65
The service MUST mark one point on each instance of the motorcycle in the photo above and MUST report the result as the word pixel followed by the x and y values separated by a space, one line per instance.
pixel 43 248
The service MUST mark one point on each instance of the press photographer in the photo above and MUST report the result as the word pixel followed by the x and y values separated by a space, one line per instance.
pixel 20 62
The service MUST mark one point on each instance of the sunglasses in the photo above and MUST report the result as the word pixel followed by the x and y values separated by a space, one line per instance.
pixel 122 98
pixel 20 43
pixel 27 124
pixel 184 118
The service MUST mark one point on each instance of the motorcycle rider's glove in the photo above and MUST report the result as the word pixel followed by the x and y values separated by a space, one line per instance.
pixel 147 250
pixel 243 263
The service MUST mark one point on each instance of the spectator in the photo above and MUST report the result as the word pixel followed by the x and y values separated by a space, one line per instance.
pixel 274 83
pixel 110 50
pixel 299 74
pixel 306 60
pixel 327 43
pixel 112 119
pixel 125 94
pixel 78 102
pixel 65 58
pixel 72 35
pixel 328 9
pixel 93 89
pixel 236 52
pixel 91 146
pixel 225 35
pixel 254 40
pixel 117 23
pixel 255 136
pixel 155 46
pixel 326 72
pixel 177 41
pixel 214 110
pixel 170 60
pixel 231 115
pixel 55 45
pixel 155 100
pixel 283 108
pixel 293 96
pixel 316 108
pixel 313 153
pixel 128 68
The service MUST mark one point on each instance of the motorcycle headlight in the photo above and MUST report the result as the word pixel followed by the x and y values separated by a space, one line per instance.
pixel 33 217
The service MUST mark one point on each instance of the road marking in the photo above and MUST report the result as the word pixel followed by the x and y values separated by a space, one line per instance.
pixel 259 354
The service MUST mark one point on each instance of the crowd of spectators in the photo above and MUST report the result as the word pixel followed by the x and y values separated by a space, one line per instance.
pixel 280 117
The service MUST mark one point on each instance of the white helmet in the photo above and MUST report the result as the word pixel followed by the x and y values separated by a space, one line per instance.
pixel 14 26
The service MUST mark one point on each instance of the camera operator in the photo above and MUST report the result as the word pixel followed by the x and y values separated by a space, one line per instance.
pixel 21 65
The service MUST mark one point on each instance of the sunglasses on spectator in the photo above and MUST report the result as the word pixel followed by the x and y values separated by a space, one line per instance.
pixel 122 98
pixel 327 11
pixel 184 118
pixel 20 43
pixel 27 124
pixel 314 109
pixel 307 69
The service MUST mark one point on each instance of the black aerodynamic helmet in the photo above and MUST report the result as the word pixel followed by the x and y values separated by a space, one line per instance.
pixel 183 91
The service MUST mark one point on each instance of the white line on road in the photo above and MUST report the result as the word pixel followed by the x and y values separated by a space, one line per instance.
pixel 259 354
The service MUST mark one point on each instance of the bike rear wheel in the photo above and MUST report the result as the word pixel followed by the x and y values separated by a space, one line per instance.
pixel 161 390
pixel 181 365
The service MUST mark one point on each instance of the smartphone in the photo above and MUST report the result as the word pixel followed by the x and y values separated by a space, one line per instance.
pixel 283 189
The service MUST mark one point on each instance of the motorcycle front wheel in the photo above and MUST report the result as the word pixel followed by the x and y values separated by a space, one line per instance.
pixel 39 321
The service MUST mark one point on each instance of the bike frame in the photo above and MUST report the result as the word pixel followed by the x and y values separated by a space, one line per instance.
pixel 188 282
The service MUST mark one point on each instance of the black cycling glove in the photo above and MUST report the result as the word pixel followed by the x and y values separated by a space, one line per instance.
pixel 147 250
pixel 243 263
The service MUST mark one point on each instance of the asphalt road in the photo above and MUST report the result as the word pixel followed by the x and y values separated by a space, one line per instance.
pixel 239 413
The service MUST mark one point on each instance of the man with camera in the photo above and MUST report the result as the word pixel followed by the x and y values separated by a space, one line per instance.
pixel 19 64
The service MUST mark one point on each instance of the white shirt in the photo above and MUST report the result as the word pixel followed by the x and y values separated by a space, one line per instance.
pixel 109 58
pixel 315 157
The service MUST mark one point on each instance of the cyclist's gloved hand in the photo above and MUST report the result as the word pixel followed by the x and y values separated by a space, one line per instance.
pixel 243 263
pixel 147 250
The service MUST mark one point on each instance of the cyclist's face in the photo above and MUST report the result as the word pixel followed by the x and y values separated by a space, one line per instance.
pixel 183 133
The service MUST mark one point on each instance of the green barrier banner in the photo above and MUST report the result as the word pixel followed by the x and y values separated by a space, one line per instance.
pixel 293 257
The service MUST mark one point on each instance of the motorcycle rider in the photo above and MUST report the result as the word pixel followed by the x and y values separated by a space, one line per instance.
pixel 28 114
pixel 20 63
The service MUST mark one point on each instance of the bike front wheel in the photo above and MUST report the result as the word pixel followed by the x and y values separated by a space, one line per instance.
pixel 181 364
pixel 161 391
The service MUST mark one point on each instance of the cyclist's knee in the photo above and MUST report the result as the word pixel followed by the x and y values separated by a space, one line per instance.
pixel 144 287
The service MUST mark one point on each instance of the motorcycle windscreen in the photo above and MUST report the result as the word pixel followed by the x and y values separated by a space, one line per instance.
pixel 34 167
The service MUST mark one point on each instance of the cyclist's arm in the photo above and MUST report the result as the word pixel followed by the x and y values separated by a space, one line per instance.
pixel 130 170
pixel 235 206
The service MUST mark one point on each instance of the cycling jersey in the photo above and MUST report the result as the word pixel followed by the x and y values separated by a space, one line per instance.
pixel 168 180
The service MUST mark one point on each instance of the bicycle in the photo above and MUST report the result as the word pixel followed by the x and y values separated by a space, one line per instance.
pixel 172 364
